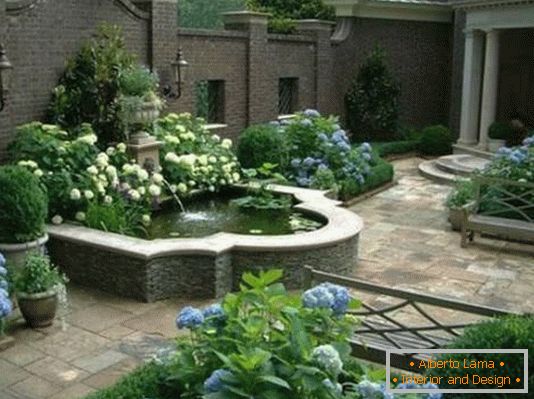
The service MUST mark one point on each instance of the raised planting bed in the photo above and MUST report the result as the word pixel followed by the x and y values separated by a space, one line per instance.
pixel 207 267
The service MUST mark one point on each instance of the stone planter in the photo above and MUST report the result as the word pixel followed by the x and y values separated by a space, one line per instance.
pixel 455 219
pixel 15 254
pixel 39 310
pixel 147 114
pixel 494 145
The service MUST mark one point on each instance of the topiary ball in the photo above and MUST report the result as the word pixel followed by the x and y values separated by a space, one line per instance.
pixel 436 140
pixel 261 144
pixel 23 206
pixel 511 332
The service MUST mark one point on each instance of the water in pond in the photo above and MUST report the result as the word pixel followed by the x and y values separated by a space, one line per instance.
pixel 206 216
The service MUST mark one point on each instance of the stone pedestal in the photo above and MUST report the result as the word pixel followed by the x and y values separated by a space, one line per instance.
pixel 145 150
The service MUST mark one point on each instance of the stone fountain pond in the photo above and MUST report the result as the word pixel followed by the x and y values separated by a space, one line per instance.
pixel 203 252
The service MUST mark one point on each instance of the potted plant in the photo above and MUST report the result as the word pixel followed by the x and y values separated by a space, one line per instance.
pixel 463 193
pixel 138 101
pixel 6 306
pixel 498 134
pixel 23 211
pixel 37 287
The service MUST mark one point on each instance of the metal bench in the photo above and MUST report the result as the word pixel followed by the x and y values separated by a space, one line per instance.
pixel 502 208
pixel 381 327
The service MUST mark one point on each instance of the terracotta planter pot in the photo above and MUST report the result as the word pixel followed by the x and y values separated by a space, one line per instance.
pixel 15 254
pixel 39 310
pixel 455 219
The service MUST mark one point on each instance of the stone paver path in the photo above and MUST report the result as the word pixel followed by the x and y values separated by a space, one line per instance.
pixel 407 243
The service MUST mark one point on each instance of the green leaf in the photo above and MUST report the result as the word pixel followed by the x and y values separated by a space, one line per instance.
pixel 355 303
pixel 271 276
pixel 271 379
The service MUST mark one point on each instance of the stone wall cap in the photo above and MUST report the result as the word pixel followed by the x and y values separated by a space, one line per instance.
pixel 342 225
pixel 245 13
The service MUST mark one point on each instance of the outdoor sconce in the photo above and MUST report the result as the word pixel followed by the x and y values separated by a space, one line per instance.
pixel 5 71
pixel 179 69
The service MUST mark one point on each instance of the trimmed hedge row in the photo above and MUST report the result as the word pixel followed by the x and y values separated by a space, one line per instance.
pixel 382 172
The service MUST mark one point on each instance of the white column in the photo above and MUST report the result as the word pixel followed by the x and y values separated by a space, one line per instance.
pixel 474 44
pixel 490 86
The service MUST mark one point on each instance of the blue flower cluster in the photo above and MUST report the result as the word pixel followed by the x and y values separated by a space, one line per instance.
pixel 529 142
pixel 327 296
pixel 311 113
pixel 191 318
pixel 215 382
pixel 6 307
pixel 515 155
pixel 436 395
pixel 328 358
pixel 373 390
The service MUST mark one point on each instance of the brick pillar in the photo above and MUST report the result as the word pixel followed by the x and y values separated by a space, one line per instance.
pixel 162 37
pixel 6 126
pixel 321 31
pixel 260 108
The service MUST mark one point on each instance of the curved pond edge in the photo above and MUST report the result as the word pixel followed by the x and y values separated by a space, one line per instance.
pixel 211 266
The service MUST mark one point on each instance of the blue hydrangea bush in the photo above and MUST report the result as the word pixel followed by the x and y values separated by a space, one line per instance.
pixel 264 342
pixel 6 306
pixel 321 155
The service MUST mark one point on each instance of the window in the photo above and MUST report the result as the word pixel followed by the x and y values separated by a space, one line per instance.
pixel 209 102
pixel 287 95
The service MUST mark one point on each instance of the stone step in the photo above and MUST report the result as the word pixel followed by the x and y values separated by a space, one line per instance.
pixel 460 164
pixel 430 170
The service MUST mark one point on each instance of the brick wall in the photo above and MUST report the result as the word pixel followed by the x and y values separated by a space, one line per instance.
pixel 419 54
pixel 40 38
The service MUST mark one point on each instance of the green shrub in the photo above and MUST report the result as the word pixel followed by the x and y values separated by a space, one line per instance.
pixel 285 12
pixel 23 205
pixel 381 173
pixel 463 192
pixel 371 103
pixel 117 217
pixel 436 140
pixel 396 147
pixel 90 85
pixel 206 14
pixel 145 382
pixel 500 131
pixel 262 144
pixel 506 333
pixel 138 81
pixel 38 275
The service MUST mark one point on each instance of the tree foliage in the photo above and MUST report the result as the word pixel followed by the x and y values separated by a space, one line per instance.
pixel 372 101
pixel 205 14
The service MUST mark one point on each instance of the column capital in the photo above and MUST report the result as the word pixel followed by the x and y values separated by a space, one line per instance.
pixel 471 33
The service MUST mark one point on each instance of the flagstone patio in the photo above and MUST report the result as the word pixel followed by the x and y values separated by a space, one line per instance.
pixel 407 243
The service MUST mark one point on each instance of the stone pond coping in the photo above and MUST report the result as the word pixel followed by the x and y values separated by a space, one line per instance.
pixel 342 225
pixel 211 266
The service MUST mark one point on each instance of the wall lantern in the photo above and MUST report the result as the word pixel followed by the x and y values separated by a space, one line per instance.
pixel 179 69
pixel 5 72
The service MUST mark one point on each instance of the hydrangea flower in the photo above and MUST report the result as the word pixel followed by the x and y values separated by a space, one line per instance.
pixel 2 260
pixel 412 385
pixel 214 313
pixel 189 317
pixel 6 307
pixel 328 296
pixel 3 285
pixel 311 113
pixel 366 147
pixel 529 141
pixel 337 388
pixel 328 358
pixel 322 137
pixel 373 390
pixel 306 123
pixel 303 181
pixel 318 297
pixel 214 382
